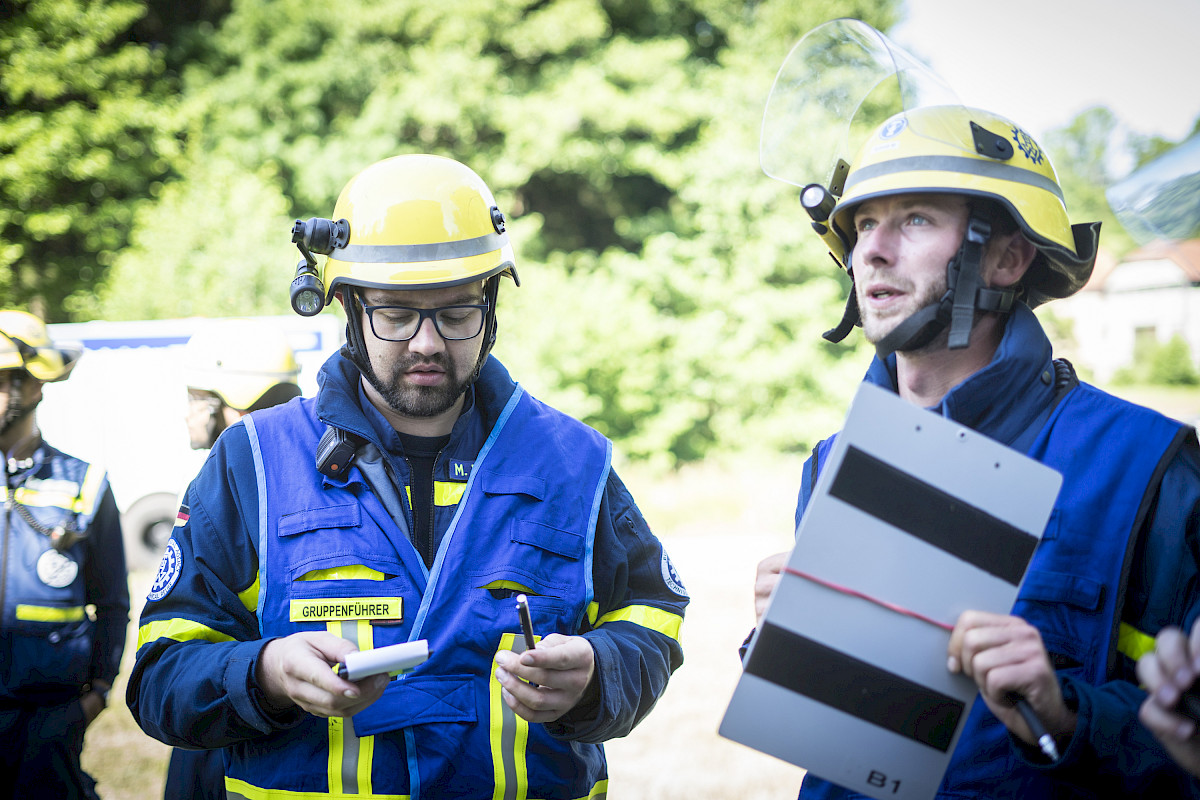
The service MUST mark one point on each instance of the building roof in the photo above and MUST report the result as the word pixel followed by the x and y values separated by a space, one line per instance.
pixel 1185 255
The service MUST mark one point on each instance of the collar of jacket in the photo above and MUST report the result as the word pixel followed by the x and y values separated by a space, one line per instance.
pixel 1003 398
pixel 338 404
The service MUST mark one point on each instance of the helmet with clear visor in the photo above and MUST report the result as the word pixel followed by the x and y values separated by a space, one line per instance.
pixel 848 92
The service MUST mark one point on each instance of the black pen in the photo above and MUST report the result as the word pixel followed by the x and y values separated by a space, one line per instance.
pixel 526 622
pixel 1044 739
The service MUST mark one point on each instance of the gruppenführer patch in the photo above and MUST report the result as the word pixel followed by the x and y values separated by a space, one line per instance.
pixel 168 572
pixel 323 609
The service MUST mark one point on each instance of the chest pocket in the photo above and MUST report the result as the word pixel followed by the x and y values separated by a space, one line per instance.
pixel 1064 608
pixel 332 554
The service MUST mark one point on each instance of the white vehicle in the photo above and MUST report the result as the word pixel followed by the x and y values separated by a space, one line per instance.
pixel 125 405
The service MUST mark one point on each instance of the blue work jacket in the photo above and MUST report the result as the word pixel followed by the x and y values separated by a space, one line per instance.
pixel 1111 552
pixel 52 648
pixel 537 510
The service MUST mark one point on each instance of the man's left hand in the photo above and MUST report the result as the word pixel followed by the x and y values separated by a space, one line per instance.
pixel 1006 658
pixel 562 667
pixel 92 703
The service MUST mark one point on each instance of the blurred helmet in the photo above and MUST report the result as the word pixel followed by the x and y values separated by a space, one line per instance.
pixel 25 344
pixel 418 222
pixel 966 151
pixel 242 361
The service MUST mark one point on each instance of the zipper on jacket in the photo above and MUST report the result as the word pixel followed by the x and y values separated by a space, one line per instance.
pixel 433 508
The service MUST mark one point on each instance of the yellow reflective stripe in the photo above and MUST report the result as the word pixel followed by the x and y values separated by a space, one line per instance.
pixel 598 792
pixel 350 757
pixel 48 614
pixel 1133 642
pixel 447 493
pixel 181 630
pixel 508 734
pixel 349 572
pixel 249 597
pixel 240 790
pixel 655 619
pixel 510 585
pixel 337 726
pixel 593 611
pixel 45 499
pixel 90 491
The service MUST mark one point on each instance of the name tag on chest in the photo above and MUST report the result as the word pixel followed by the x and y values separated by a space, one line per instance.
pixel 327 609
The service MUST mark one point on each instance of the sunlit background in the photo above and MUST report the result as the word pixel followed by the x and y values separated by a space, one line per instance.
pixel 153 155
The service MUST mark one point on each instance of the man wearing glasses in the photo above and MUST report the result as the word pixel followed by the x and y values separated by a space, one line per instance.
pixel 413 499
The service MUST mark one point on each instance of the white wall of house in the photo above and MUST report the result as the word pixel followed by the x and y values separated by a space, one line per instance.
pixel 1139 299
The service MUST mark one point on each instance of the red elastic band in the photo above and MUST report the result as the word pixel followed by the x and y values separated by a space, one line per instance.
pixel 854 593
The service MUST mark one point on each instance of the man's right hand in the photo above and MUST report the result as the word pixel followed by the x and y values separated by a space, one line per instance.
pixel 298 670
pixel 769 570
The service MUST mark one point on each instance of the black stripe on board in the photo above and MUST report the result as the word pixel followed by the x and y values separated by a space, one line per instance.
pixel 854 687
pixel 933 516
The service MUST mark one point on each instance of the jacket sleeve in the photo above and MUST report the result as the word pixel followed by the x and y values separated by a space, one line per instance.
pixel 192 683
pixel 633 624
pixel 1111 751
pixel 107 589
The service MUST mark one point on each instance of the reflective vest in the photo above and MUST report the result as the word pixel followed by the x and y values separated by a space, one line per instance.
pixel 331 558
pixel 1111 455
pixel 48 634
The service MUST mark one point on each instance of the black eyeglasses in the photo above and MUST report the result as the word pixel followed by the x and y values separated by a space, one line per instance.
pixel 401 323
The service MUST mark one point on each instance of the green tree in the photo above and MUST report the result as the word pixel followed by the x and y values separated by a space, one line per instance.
pixel 81 140
pixel 672 295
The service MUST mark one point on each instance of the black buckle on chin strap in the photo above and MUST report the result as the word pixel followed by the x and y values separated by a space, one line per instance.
pixel 998 300
pixel 966 283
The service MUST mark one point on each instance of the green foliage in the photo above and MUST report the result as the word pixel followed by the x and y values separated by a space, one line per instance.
pixel 1080 152
pixel 672 295
pixel 1171 364
pixel 208 246
pixel 1167 363
pixel 80 141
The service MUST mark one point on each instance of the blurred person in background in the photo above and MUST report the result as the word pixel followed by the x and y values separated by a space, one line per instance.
pixel 414 498
pixel 63 589
pixel 232 367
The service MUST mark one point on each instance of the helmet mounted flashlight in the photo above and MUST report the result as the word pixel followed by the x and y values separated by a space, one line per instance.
pixel 314 235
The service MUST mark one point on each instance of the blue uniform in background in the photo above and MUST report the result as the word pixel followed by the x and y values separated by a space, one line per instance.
pixel 1119 561
pixel 524 501
pixel 54 647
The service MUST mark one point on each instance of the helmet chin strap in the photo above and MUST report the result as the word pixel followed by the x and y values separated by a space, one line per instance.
pixel 355 347
pixel 956 308
pixel 491 288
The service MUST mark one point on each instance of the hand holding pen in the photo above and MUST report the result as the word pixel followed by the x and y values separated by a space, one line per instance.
pixel 1006 658
pixel 550 676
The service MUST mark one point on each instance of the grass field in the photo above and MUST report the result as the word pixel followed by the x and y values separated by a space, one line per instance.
pixel 717 522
